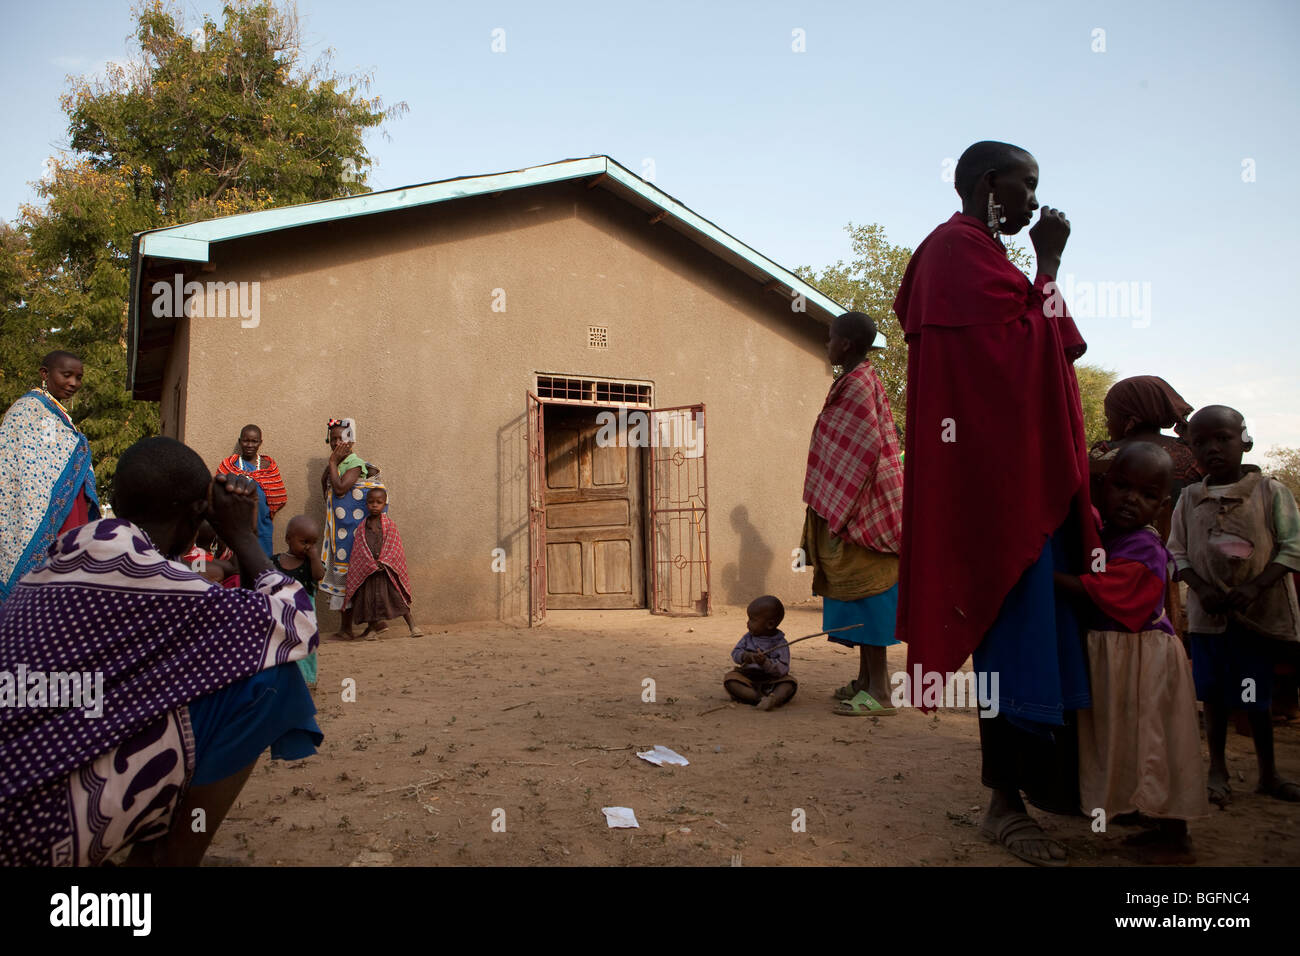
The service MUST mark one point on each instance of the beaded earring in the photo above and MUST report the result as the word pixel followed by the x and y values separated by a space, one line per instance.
pixel 995 217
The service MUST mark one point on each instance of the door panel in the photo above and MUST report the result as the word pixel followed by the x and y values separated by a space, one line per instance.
pixel 593 508
pixel 564 567
pixel 679 512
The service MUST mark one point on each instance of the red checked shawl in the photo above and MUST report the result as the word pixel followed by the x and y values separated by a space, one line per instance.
pixel 854 478
pixel 990 355
pixel 392 557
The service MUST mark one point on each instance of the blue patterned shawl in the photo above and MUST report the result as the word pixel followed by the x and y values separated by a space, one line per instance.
pixel 44 466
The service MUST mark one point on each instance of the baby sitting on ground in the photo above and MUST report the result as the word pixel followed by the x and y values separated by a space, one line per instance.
pixel 763 675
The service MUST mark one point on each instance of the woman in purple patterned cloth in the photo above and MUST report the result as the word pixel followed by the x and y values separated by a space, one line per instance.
pixel 141 694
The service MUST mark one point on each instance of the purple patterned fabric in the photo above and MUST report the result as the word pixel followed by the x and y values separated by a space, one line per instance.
pixel 161 635
pixel 1141 546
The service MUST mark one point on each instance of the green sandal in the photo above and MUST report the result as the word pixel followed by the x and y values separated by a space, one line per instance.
pixel 863 704
pixel 848 691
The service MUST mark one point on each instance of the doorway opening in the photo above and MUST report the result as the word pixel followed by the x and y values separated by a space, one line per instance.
pixel 617 507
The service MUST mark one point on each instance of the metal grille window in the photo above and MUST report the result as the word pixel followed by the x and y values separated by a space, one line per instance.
pixel 597 337
pixel 593 391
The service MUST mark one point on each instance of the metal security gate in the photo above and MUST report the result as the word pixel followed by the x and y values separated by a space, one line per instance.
pixel 679 515
pixel 536 512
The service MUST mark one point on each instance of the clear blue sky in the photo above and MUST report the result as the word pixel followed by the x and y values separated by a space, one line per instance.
pixel 1142 145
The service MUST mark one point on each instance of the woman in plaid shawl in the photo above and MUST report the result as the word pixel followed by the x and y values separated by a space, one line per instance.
pixel 854 493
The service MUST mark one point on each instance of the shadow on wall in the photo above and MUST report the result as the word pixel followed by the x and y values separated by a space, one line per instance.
pixel 512 519
pixel 747 579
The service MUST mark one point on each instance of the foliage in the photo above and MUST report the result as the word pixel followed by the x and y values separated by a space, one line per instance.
pixel 869 282
pixel 1284 465
pixel 1094 383
pixel 189 129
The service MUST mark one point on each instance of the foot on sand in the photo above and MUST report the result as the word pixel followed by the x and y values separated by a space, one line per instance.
pixel 1280 789
pixel 1023 838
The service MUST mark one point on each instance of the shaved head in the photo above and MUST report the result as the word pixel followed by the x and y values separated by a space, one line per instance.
pixel 858 327
pixel 767 605
pixel 58 357
pixel 982 157
pixel 1141 458
pixel 1212 415
pixel 158 480
pixel 303 524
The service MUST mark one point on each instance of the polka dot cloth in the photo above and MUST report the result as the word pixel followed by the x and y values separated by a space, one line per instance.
pixel 160 634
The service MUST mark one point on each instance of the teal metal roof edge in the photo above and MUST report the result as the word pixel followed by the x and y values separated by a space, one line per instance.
pixel 725 239
pixel 191 241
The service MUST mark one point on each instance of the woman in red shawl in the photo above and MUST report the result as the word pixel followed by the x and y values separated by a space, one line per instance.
pixel 996 488
pixel 271 495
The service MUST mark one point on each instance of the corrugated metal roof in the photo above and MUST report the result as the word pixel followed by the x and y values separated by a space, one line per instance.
pixel 192 241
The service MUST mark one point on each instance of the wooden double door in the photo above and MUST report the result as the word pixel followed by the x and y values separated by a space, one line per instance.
pixel 594 512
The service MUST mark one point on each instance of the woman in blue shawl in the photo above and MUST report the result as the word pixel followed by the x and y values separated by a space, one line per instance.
pixel 47 485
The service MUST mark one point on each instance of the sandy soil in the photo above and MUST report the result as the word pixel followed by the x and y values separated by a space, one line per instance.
pixel 537 729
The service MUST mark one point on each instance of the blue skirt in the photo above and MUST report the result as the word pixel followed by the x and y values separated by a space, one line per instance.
pixel 233 726
pixel 1035 649
pixel 878 613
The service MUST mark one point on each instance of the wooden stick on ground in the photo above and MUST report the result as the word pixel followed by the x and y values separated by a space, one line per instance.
pixel 412 786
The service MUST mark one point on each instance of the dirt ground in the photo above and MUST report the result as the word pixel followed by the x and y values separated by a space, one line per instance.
pixel 536 730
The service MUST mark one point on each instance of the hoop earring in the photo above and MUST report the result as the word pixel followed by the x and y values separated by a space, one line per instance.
pixel 995 217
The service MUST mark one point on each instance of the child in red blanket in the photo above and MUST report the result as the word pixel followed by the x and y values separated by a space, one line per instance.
pixel 378 588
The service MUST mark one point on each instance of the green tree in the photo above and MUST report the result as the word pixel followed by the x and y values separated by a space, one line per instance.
pixel 1284 465
pixel 204 121
pixel 1094 383
pixel 869 282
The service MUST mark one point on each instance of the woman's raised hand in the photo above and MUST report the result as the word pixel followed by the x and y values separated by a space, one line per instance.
pixel 232 507
pixel 1049 235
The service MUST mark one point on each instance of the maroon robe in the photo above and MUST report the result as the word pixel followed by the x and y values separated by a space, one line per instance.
pixel 995 449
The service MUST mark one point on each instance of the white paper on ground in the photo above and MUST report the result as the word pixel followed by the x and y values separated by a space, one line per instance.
pixel 620 817
pixel 662 755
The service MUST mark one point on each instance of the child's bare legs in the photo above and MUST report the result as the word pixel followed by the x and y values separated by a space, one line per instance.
pixel 1261 728
pixel 415 631
pixel 780 694
pixel 1270 782
pixel 742 692
pixel 345 628
pixel 1216 737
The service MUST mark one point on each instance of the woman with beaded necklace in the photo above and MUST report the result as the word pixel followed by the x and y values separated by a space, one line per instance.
pixel 271 495
pixel 47 484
